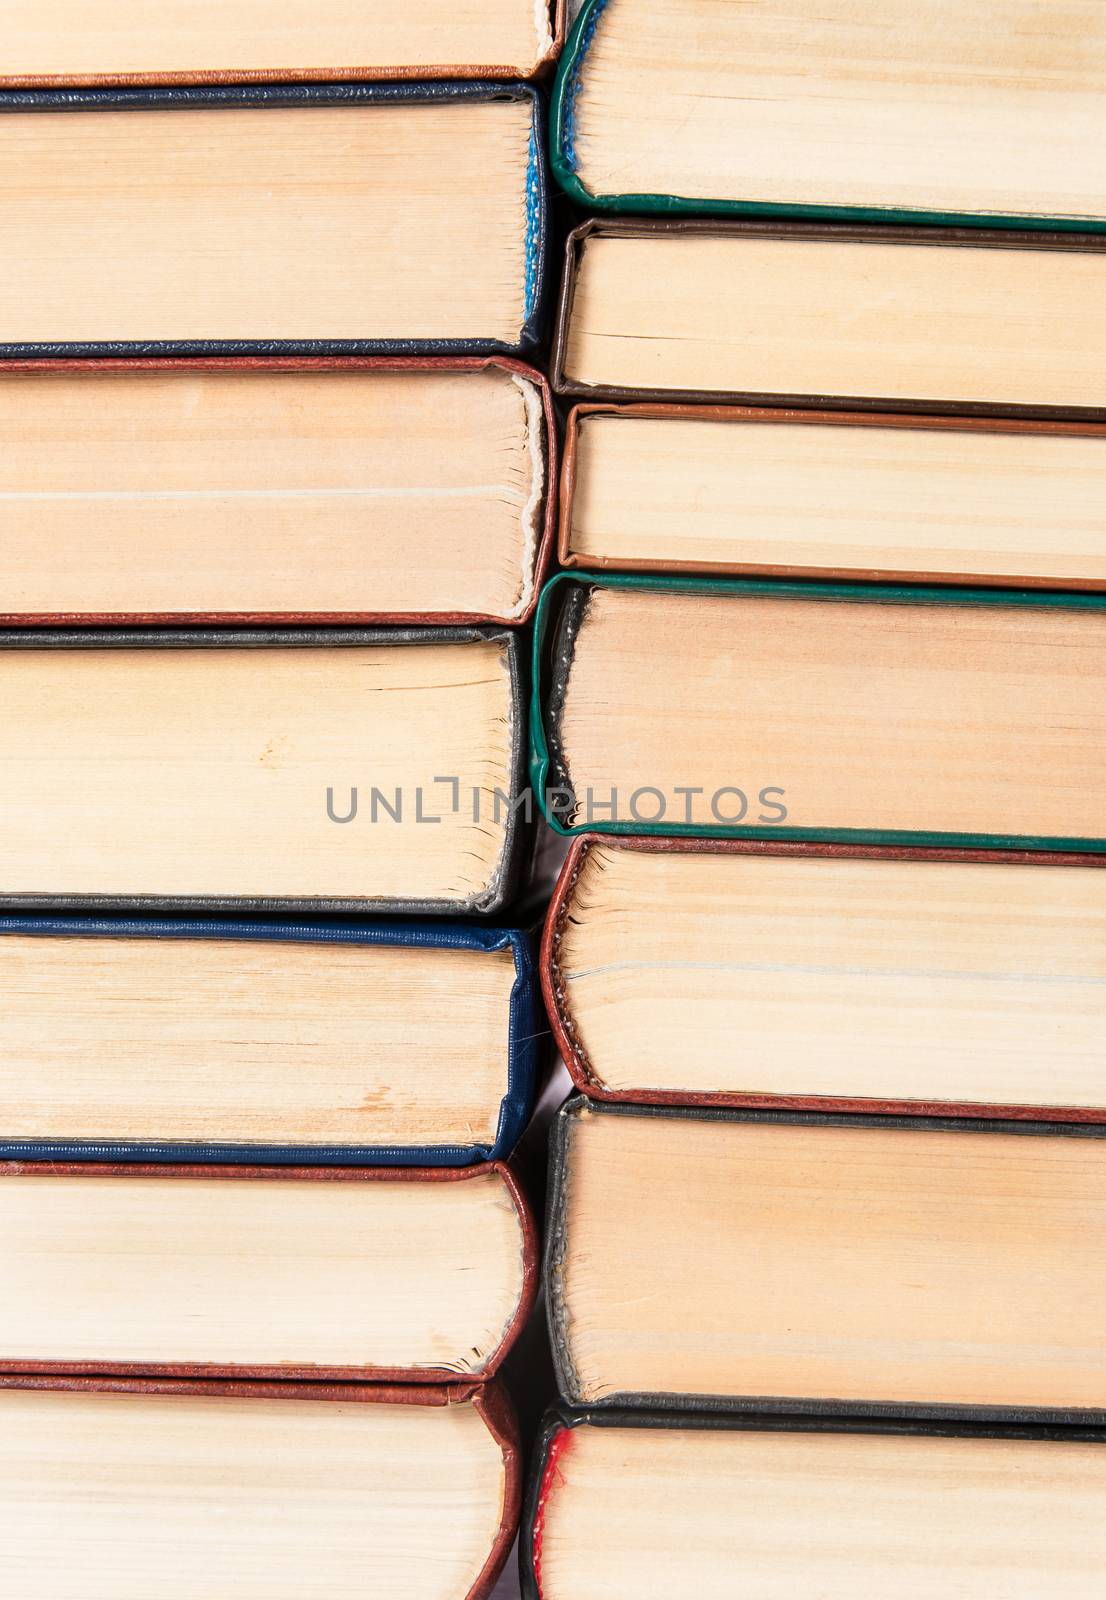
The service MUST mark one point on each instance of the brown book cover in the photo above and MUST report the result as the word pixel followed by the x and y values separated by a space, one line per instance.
pixel 828 233
pixel 198 367
pixel 490 1402
pixel 566 909
pixel 970 427
pixel 324 72
pixel 265 1271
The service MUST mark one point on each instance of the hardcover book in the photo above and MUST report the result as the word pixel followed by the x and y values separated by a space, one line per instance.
pixel 273 220
pixel 851 712
pixel 52 43
pixel 121 1489
pixel 933 113
pixel 651 1504
pixel 302 771
pixel 390 1043
pixel 929 320
pixel 775 1261
pixel 265 489
pixel 833 977
pixel 825 494
pixel 421 1274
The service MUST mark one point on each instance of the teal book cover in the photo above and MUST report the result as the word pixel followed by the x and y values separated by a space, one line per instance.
pixel 894 116
pixel 864 713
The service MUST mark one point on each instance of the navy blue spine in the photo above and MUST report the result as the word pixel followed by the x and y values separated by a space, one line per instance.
pixel 280 96
pixel 521 1056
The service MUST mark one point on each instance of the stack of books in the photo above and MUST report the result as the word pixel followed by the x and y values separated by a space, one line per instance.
pixel 767 565
pixel 822 708
pixel 275 503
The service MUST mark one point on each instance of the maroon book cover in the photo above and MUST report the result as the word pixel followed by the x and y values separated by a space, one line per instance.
pixel 184 1282
pixel 230 366
pixel 490 1402
pixel 586 1073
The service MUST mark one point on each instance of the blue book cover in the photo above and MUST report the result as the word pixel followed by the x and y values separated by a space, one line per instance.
pixel 115 1047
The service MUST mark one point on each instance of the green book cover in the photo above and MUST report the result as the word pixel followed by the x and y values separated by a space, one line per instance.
pixel 548 772
pixel 563 158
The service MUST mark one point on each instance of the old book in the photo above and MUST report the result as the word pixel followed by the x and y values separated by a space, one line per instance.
pixel 54 42
pixel 657 1503
pixel 340 489
pixel 403 1274
pixel 120 1489
pixel 939 320
pixel 827 494
pixel 341 770
pixel 941 112
pixel 389 1043
pixel 272 220
pixel 834 977
pixel 805 711
pixel 827 1264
